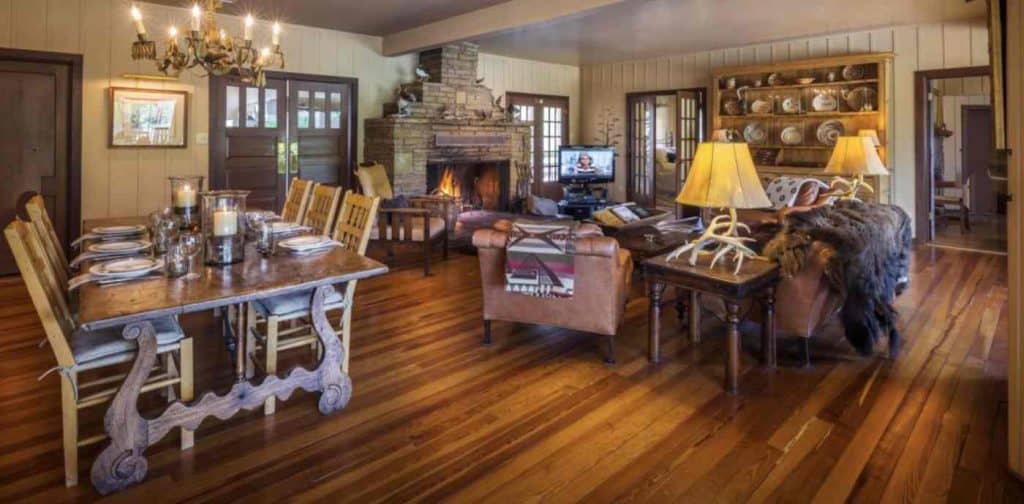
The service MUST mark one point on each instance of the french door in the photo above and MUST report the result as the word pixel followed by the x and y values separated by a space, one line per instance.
pixel 663 130
pixel 549 117
pixel 293 127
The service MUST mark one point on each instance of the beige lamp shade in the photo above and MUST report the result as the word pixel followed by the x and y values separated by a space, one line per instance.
pixel 722 175
pixel 872 134
pixel 855 156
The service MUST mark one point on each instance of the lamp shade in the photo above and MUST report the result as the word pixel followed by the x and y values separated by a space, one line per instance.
pixel 722 175
pixel 855 156
pixel 872 134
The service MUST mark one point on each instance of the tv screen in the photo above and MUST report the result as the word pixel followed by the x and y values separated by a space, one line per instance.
pixel 583 164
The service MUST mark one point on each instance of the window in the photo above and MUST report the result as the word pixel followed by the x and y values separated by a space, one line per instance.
pixel 231 102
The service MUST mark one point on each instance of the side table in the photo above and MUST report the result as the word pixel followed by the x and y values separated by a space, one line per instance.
pixel 756 279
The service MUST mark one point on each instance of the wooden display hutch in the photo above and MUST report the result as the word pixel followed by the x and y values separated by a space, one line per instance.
pixel 761 103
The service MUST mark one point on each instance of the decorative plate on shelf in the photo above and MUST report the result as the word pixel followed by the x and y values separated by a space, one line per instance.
pixel 791 135
pixel 760 106
pixel 731 106
pixel 829 132
pixel 824 102
pixel 755 133
pixel 805 80
pixel 774 80
pixel 853 72
pixel 791 105
pixel 862 98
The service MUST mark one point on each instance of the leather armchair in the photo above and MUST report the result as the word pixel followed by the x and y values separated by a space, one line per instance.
pixel 603 274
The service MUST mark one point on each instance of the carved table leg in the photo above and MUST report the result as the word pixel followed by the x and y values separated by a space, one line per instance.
pixel 768 329
pixel 694 316
pixel 732 343
pixel 122 462
pixel 655 289
pixel 241 334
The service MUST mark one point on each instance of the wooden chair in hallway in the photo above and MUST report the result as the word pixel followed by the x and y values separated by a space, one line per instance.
pixel 297 200
pixel 353 230
pixel 77 350
pixel 942 201
pixel 323 206
pixel 40 218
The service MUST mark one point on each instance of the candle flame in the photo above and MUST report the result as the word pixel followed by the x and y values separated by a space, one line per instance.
pixel 173 31
pixel 196 11
pixel 249 20
pixel 136 13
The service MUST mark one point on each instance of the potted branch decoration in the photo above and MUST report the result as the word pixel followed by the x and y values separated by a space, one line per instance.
pixel 608 129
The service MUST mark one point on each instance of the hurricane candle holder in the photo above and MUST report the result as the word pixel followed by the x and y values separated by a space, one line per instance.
pixel 185 199
pixel 224 226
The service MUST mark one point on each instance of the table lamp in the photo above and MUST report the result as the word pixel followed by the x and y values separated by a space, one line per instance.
pixel 872 134
pixel 854 156
pixel 722 175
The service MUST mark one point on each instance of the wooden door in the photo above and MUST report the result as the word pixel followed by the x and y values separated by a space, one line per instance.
pixel 549 119
pixel 34 148
pixel 319 114
pixel 249 140
pixel 977 147
pixel 640 140
pixel 692 130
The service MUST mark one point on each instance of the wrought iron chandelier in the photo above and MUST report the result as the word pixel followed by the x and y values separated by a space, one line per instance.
pixel 211 48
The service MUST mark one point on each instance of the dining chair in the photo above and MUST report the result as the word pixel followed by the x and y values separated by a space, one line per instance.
pixel 297 199
pixel 352 229
pixel 323 206
pixel 78 350
pixel 40 218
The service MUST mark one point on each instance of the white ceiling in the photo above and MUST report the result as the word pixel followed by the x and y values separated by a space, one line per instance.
pixel 372 17
pixel 646 28
pixel 630 29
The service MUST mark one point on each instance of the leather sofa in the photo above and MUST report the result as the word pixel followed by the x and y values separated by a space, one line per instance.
pixel 603 274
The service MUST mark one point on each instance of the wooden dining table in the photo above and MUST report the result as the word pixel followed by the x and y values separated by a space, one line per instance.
pixel 135 304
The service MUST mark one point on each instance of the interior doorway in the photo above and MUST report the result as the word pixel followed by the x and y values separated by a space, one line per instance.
pixel 549 119
pixel 961 203
pixel 663 129
pixel 40 139
pixel 296 126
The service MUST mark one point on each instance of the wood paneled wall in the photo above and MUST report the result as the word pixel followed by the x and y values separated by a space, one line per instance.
pixel 122 182
pixel 1014 58
pixel 504 75
pixel 917 47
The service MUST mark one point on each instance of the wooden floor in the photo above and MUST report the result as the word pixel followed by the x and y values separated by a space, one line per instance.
pixel 986 234
pixel 436 416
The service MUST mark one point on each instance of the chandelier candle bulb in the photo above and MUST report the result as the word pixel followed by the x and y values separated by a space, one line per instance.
pixel 197 15
pixel 137 17
pixel 275 37
pixel 248 27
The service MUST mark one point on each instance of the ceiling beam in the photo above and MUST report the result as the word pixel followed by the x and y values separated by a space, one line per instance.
pixel 487 21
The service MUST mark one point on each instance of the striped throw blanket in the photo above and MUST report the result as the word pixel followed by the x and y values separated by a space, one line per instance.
pixel 539 258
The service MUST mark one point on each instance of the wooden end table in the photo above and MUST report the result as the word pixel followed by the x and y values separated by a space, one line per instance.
pixel 756 279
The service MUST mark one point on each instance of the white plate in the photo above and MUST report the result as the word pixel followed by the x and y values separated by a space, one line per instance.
pixel 824 103
pixel 305 242
pixel 119 246
pixel 283 227
pixel 791 105
pixel 755 133
pixel 761 107
pixel 126 267
pixel 791 135
pixel 119 230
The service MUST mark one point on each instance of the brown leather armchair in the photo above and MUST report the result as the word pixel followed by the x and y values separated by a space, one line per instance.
pixel 603 276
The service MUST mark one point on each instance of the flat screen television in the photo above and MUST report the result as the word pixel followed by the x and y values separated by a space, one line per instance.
pixel 586 164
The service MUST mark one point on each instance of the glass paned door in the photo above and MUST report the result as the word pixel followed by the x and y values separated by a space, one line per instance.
pixel 549 118
pixel 641 143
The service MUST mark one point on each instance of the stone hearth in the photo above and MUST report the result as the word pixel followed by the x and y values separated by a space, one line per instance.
pixel 453 120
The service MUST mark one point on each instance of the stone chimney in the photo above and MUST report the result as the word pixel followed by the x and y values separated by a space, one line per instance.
pixel 452 119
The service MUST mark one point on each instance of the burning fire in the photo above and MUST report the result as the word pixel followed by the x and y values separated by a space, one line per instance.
pixel 449 185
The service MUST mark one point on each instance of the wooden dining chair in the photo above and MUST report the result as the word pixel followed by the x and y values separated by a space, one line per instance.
pixel 40 218
pixel 77 350
pixel 323 206
pixel 352 229
pixel 297 200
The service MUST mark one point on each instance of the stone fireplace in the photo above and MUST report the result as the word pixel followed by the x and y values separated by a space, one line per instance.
pixel 453 122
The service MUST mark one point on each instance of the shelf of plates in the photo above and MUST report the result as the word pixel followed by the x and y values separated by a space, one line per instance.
pixel 792 113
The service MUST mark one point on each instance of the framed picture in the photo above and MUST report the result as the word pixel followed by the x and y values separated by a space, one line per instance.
pixel 148 118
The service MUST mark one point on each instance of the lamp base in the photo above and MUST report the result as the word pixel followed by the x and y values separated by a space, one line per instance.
pixel 723 233
pixel 850 188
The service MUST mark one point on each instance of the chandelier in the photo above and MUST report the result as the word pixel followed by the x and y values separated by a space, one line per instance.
pixel 211 48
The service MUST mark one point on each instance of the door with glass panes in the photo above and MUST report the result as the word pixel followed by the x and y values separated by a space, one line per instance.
pixel 261 138
pixel 549 117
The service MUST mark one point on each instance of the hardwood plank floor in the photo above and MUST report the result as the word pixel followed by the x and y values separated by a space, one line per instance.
pixel 436 416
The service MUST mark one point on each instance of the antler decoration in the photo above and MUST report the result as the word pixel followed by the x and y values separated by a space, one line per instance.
pixel 851 188
pixel 726 242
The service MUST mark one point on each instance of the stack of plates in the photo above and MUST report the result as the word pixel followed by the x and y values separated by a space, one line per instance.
pixel 285 227
pixel 307 244
pixel 119 247
pixel 126 268
pixel 118 232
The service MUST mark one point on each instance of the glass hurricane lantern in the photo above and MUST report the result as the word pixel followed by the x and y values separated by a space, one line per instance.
pixel 224 226
pixel 185 191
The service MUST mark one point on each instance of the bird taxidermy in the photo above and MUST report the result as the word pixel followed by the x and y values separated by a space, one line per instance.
pixel 498 105
pixel 480 81
pixel 422 74
pixel 403 107
pixel 402 92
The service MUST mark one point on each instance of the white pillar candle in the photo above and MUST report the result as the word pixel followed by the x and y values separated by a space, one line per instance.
pixel 225 223
pixel 185 196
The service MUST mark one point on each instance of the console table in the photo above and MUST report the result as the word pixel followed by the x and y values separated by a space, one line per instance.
pixel 756 279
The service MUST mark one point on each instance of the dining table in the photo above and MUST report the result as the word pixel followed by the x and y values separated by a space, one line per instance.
pixel 135 304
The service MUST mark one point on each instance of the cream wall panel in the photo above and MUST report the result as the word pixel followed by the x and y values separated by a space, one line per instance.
pixel 504 75
pixel 920 47
pixel 122 182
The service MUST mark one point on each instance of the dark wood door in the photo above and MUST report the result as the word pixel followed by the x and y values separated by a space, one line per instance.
pixel 978 147
pixel 34 150
pixel 549 117
pixel 260 138
pixel 640 138
pixel 319 113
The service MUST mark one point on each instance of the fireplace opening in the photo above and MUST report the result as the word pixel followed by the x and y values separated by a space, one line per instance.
pixel 475 185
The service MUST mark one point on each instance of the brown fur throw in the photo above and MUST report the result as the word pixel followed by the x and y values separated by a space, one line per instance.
pixel 868 263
